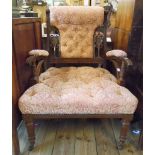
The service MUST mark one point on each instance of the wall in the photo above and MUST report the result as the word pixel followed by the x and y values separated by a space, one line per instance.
pixel 121 24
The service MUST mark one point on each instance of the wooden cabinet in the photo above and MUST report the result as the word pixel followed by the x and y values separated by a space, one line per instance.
pixel 16 116
pixel 136 41
pixel 26 36
pixel 135 53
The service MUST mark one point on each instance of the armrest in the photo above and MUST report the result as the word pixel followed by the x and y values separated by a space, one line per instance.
pixel 116 53
pixel 38 52
pixel 36 60
pixel 121 63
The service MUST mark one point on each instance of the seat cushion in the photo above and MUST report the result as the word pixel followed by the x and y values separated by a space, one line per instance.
pixel 77 90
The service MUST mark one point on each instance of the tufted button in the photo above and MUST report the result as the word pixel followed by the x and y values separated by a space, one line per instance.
pixel 75 29
pixel 83 53
pixel 64 43
pixel 86 29
pixel 63 28
pixel 76 44
pixel 70 51
pixel 118 92
pixel 32 93
pixel 81 35
pixel 76 41
pixel 70 35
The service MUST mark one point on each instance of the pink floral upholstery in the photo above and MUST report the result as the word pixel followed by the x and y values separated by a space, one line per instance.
pixel 116 53
pixel 39 52
pixel 77 90
pixel 76 25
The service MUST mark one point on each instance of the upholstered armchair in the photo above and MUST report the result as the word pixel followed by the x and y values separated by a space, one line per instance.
pixel 77 35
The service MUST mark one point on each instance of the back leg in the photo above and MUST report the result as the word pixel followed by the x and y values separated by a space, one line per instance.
pixel 30 130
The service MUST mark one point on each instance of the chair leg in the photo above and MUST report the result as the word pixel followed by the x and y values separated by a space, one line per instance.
pixel 30 130
pixel 123 133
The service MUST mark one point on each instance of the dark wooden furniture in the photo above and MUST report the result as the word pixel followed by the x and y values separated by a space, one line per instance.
pixel 26 36
pixel 16 116
pixel 15 141
pixel 29 14
pixel 29 118
pixel 135 53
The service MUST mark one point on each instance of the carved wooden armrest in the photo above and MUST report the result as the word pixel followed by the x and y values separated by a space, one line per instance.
pixel 121 63
pixel 36 60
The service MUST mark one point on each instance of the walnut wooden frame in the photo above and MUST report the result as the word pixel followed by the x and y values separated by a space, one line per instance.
pixel 30 118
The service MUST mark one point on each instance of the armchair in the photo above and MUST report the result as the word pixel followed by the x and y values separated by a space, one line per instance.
pixel 74 33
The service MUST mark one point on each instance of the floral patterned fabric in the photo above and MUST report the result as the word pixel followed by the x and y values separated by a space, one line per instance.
pixel 39 52
pixel 77 90
pixel 116 53
pixel 76 25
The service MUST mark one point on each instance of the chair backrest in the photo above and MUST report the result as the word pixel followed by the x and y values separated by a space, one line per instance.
pixel 76 25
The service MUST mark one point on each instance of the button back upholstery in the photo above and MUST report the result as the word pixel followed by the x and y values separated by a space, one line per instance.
pixel 76 26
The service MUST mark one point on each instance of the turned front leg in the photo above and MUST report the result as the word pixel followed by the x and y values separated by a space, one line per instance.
pixel 30 130
pixel 123 133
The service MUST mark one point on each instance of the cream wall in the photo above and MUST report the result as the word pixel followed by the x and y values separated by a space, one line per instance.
pixel 73 2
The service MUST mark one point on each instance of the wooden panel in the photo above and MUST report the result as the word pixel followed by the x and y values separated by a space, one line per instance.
pixel 15 93
pixel 125 14
pixel 138 14
pixel 113 20
pixel 26 36
pixel 120 39
pixel 135 53
pixel 121 24
pixel 135 43
pixel 15 86
pixel 24 40
pixel 37 28
pixel 136 40
pixel 15 141
pixel 16 116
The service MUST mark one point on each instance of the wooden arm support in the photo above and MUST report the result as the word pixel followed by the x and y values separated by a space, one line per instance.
pixel 36 60
pixel 121 64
